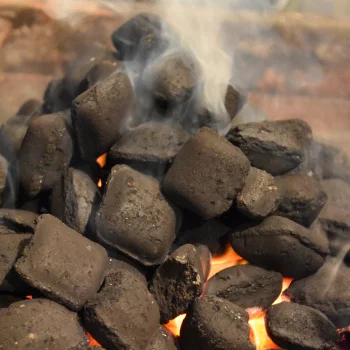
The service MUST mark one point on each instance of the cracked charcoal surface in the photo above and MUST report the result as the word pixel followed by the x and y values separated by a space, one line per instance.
pixel 213 323
pixel 247 286
pixel 40 324
pixel 297 327
pixel 259 196
pixel 151 142
pixel 274 146
pixel 45 153
pixel 62 264
pixel 206 175
pixel 302 198
pixel 163 340
pixel 99 113
pixel 326 290
pixel 281 245
pixel 177 282
pixel 135 218
pixel 124 316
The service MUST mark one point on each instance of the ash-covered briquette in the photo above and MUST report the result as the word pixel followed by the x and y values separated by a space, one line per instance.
pixel 211 233
pixel 174 79
pixel 327 290
pixel 178 282
pixel 78 203
pixel 247 286
pixel 135 218
pixel 113 270
pixel 207 174
pixel 274 146
pixel 45 153
pixel 149 143
pixel 213 323
pixel 100 71
pixel 140 36
pixel 4 174
pixel 302 198
pixel 40 324
pixel 62 264
pixel 123 316
pixel 318 234
pixel 260 195
pixel 281 245
pixel 11 247
pixel 12 132
pixel 298 327
pixel 163 340
pixel 17 221
pixel 99 113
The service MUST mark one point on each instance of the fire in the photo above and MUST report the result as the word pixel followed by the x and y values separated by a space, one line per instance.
pixel 102 160
pixel 92 341
pixel 99 184
pixel 174 325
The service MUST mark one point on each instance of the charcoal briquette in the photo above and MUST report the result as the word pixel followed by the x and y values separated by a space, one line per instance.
pixel 163 340
pixel 135 218
pixel 56 98
pixel 98 115
pixel 45 153
pixel 260 195
pixel 40 324
pixel 274 146
pixel 4 172
pixel 207 174
pixel 177 282
pixel 297 327
pixel 302 198
pixel 281 245
pixel 123 316
pixel 326 290
pixel 11 247
pixel 213 323
pixel 62 264
pixel 7 299
pixel 18 221
pixel 247 286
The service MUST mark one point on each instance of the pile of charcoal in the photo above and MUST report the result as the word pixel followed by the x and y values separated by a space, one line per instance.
pixel 121 260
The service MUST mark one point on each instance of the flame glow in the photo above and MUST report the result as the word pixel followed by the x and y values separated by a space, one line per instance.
pixel 99 184
pixel 102 160
pixel 174 325
pixel 92 341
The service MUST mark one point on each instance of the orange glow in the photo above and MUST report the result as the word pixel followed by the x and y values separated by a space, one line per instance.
pixel 92 341
pixel 102 160
pixel 29 297
pixel 99 184
pixel 174 325
pixel 227 259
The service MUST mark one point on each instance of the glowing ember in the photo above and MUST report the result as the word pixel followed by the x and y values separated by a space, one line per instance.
pixel 29 297
pixel 92 341
pixel 99 184
pixel 102 160
pixel 174 325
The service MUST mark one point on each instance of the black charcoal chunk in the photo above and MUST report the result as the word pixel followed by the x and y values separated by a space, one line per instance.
pixel 213 323
pixel 139 36
pixel 12 132
pixel 178 282
pixel 297 327
pixel 149 143
pixel 335 215
pixel 318 234
pixel 101 71
pixel 56 98
pixel 211 233
pixel 163 340
pixel 77 205
pixel 135 218
pixel 11 247
pixel 281 245
pixel 247 286
pixel 174 79
pixel 45 154
pixel 99 113
pixel 207 174
pixel 274 146
pixel 327 290
pixel 17 221
pixel 7 299
pixel 40 324
pixel 4 173
pixel 302 198
pixel 62 264
pixel 123 316
pixel 260 196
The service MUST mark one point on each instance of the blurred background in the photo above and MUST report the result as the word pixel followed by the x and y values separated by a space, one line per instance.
pixel 291 58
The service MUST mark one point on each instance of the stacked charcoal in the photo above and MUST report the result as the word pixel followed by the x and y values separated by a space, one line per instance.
pixel 121 261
